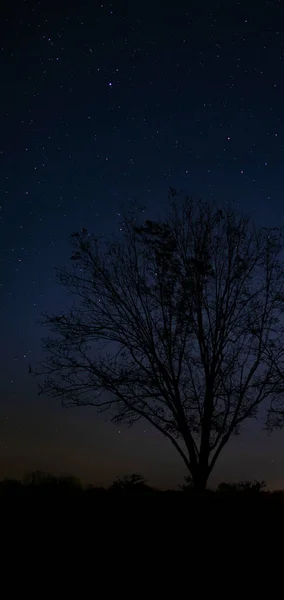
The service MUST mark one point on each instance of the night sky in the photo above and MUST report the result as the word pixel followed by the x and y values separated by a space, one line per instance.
pixel 102 103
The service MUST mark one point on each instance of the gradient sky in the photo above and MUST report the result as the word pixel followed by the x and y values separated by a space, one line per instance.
pixel 101 103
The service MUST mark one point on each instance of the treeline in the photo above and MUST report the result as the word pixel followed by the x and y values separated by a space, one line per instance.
pixel 40 484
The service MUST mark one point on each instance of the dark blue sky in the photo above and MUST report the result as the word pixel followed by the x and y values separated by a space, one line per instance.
pixel 101 103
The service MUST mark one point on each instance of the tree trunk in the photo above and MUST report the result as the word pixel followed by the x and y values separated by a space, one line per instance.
pixel 199 479
pixel 202 472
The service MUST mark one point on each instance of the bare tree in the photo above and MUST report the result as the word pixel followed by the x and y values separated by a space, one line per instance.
pixel 177 322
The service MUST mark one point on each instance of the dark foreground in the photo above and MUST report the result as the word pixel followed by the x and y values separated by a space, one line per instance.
pixel 60 516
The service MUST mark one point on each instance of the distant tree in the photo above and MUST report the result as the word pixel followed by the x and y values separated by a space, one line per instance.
pixel 130 483
pixel 178 322
pixel 227 488
pixel 188 486
pixel 253 487
pixel 38 478
pixel 41 479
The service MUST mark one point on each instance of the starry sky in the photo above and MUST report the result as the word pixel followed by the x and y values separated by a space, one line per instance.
pixel 102 103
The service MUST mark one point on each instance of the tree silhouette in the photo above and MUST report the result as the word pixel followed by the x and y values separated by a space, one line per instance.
pixel 43 480
pixel 248 487
pixel 227 488
pixel 133 483
pixel 188 485
pixel 253 487
pixel 178 322
pixel 39 478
